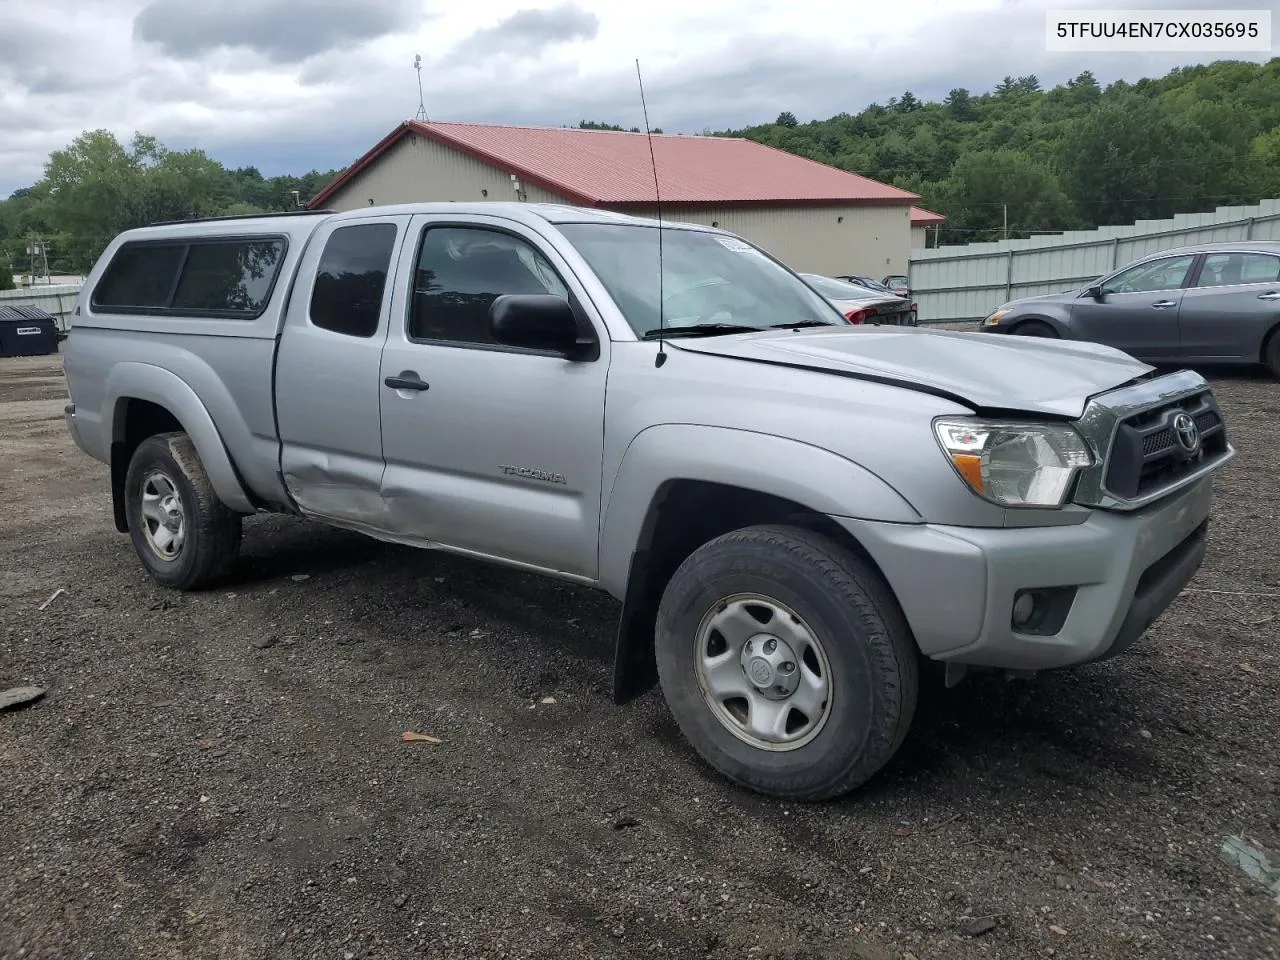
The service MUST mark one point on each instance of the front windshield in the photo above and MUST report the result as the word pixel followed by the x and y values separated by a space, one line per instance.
pixel 707 278
pixel 838 289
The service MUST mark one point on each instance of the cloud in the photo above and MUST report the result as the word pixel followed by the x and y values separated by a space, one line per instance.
pixel 528 32
pixel 243 81
pixel 285 31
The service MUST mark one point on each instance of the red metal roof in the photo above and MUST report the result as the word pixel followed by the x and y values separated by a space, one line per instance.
pixel 920 217
pixel 609 168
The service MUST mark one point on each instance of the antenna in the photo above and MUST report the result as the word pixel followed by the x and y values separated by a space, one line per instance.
pixel 657 196
pixel 422 103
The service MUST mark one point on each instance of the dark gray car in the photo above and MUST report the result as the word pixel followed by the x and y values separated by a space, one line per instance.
pixel 1213 303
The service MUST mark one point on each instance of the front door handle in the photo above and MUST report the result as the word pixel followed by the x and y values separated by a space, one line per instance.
pixel 1162 304
pixel 407 380
pixel 1273 295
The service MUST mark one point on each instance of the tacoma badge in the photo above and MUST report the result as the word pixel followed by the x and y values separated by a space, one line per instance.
pixel 533 474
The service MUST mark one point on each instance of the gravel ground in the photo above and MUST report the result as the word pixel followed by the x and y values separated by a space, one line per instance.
pixel 222 774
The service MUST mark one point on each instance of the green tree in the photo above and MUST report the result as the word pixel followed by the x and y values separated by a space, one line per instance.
pixel 1135 158
pixel 960 105
pixel 984 184
pixel 786 119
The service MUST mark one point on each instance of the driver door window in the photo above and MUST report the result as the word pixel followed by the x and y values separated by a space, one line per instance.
pixel 1166 274
pixel 461 271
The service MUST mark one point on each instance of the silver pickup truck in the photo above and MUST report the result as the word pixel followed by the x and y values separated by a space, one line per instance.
pixel 796 514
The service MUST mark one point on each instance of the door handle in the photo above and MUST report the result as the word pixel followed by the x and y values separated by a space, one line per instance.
pixel 407 380
pixel 1269 296
pixel 1161 304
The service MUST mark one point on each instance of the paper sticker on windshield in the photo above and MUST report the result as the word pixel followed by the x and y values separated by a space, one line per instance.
pixel 736 245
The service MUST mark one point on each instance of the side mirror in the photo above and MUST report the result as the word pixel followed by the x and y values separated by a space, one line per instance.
pixel 1094 291
pixel 536 321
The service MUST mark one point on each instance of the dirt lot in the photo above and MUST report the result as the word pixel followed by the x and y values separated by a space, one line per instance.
pixel 221 775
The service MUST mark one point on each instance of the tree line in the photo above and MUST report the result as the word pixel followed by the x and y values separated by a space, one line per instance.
pixel 1074 156
pixel 97 186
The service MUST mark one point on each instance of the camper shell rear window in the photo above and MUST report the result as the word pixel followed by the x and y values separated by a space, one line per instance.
pixel 214 277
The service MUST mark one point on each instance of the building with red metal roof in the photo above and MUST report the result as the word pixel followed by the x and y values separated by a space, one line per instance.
pixel 810 215
pixel 921 221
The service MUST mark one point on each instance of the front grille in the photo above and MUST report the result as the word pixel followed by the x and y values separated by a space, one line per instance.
pixel 1131 431
pixel 1147 454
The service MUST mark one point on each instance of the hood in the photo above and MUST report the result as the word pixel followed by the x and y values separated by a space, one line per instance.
pixel 984 371
pixel 1065 297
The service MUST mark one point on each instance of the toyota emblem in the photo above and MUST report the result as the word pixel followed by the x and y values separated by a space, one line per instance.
pixel 1186 432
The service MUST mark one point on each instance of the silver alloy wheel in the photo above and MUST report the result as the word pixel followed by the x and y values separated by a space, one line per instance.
pixel 763 672
pixel 164 521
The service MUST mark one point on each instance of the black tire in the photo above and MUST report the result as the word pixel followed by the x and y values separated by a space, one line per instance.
pixel 848 608
pixel 1034 328
pixel 1271 353
pixel 211 531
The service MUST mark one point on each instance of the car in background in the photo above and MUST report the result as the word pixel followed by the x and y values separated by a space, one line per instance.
pixel 877 286
pixel 862 281
pixel 897 283
pixel 860 305
pixel 1211 303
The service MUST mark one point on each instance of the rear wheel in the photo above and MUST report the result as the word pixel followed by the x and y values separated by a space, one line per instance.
pixel 1034 328
pixel 786 662
pixel 1271 353
pixel 183 534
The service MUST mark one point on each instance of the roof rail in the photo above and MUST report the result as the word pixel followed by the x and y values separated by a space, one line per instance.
pixel 242 216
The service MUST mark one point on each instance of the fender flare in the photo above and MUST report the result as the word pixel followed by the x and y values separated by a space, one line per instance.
pixel 814 478
pixel 818 479
pixel 144 381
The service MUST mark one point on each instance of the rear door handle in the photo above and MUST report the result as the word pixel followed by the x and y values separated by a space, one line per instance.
pixel 1161 304
pixel 407 380
pixel 1269 296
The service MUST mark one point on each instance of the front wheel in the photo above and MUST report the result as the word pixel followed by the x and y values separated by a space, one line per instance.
pixel 1034 328
pixel 786 662
pixel 183 534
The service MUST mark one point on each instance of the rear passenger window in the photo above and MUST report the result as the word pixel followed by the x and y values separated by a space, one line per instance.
pixel 214 278
pixel 228 277
pixel 347 297
pixel 140 276
pixel 1226 269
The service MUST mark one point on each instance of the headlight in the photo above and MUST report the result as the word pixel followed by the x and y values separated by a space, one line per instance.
pixel 996 317
pixel 1014 464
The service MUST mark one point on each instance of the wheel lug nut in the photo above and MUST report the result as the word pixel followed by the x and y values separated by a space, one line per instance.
pixel 770 646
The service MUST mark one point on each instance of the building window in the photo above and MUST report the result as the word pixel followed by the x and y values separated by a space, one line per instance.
pixel 351 277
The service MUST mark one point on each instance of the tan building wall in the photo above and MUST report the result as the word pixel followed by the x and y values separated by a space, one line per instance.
pixel 919 237
pixel 829 240
pixel 417 169
pixel 874 240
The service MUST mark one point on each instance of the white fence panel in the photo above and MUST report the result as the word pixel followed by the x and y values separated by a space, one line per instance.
pixel 56 299
pixel 964 283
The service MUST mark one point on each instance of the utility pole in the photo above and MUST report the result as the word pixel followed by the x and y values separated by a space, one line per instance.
pixel 1005 206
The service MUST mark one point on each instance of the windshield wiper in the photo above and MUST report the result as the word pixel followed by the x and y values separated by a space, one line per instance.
pixel 697 330
pixel 801 323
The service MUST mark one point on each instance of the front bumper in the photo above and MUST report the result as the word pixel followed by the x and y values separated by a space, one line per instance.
pixel 1119 572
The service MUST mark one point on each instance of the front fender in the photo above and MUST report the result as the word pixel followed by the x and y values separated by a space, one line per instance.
pixel 144 381
pixel 781 467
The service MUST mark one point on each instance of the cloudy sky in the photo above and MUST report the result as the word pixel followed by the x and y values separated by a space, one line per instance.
pixel 290 85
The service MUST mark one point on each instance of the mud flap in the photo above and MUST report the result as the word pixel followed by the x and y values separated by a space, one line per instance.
pixel 635 665
pixel 119 470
